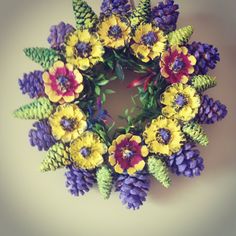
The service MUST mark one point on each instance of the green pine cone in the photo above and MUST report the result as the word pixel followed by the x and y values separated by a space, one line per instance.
pixel 104 180
pixel 38 109
pixel 44 56
pixel 203 82
pixel 196 133
pixel 159 170
pixel 180 36
pixel 57 157
pixel 85 17
pixel 141 14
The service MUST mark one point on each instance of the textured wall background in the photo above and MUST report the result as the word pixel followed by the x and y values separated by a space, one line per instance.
pixel 32 203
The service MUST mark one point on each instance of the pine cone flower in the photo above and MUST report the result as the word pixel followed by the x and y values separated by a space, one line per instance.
pixel 133 189
pixel 58 34
pixel 165 15
pixel 41 136
pixel 207 56
pixel 210 111
pixel 118 7
pixel 186 162
pixel 32 84
pixel 79 181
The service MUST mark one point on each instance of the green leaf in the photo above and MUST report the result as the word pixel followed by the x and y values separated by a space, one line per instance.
pixel 103 82
pixel 119 71
pixel 109 91
pixel 97 90
pixel 103 98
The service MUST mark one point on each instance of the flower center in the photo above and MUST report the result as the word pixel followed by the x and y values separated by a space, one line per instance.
pixel 85 152
pixel 163 136
pixel 83 49
pixel 150 38
pixel 178 65
pixel 127 153
pixel 63 83
pixel 181 100
pixel 68 124
pixel 115 32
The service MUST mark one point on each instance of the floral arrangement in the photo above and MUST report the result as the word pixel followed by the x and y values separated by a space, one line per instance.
pixel 164 125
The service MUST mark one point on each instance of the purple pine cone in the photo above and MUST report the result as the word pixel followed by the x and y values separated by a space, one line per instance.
pixel 32 84
pixel 58 34
pixel 41 136
pixel 186 162
pixel 133 189
pixel 165 15
pixel 79 181
pixel 118 7
pixel 207 57
pixel 210 111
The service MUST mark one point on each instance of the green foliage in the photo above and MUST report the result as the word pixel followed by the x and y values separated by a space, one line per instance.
pixel 44 56
pixel 180 36
pixel 203 82
pixel 84 15
pixel 141 14
pixel 104 181
pixel 38 109
pixel 196 133
pixel 56 157
pixel 119 71
pixel 159 170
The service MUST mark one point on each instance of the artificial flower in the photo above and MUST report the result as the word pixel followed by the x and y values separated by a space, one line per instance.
pixel 126 154
pixel 87 151
pixel 177 64
pixel 62 83
pixel 84 49
pixel 68 122
pixel 114 32
pixel 180 102
pixel 163 136
pixel 149 42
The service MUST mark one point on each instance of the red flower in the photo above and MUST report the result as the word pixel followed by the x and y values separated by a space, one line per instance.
pixel 176 65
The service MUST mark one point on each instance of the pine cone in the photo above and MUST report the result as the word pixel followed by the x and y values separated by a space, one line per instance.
pixel 117 7
pixel 207 57
pixel 38 109
pixel 210 111
pixel 44 56
pixel 41 136
pixel 141 14
pixel 79 181
pixel 104 180
pixel 196 133
pixel 84 15
pixel 180 36
pixel 158 169
pixel 165 15
pixel 133 189
pixel 32 84
pixel 186 162
pixel 203 82
pixel 57 157
pixel 58 34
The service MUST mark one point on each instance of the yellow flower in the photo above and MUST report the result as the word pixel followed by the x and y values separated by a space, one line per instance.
pixel 149 42
pixel 87 151
pixel 68 122
pixel 163 136
pixel 62 83
pixel 181 102
pixel 114 32
pixel 84 49
pixel 126 154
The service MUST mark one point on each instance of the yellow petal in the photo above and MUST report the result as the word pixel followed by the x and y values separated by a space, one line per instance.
pixel 112 160
pixel 131 171
pixel 136 138
pixel 118 168
pixel 144 151
pixel 140 165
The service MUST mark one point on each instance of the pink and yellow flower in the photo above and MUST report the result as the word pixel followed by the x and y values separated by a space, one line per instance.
pixel 62 83
pixel 127 154
pixel 177 64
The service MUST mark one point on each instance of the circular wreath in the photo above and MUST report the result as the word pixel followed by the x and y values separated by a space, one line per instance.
pixel 163 126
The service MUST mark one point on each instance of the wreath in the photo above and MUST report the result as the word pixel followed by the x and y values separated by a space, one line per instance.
pixel 164 125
